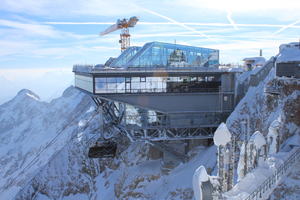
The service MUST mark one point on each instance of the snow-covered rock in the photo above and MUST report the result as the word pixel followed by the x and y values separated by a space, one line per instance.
pixel 32 130
pixel 222 136
pixel 255 60
pixel 199 177
pixel 263 109
pixel 272 136
pixel 258 139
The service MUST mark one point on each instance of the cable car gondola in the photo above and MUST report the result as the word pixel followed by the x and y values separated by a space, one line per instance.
pixel 103 149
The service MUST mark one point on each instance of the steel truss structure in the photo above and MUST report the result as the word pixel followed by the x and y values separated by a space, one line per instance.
pixel 156 134
pixel 167 133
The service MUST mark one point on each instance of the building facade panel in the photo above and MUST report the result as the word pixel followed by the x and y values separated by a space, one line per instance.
pixel 84 82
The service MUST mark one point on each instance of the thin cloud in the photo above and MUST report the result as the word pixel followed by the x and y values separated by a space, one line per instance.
pixel 248 45
pixel 35 29
pixel 285 27
pixel 180 24
pixel 32 30
pixel 230 20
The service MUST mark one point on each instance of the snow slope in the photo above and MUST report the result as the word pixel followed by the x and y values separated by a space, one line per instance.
pixel 263 109
pixel 32 130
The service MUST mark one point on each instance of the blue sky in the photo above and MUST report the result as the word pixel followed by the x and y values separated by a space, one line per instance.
pixel 55 34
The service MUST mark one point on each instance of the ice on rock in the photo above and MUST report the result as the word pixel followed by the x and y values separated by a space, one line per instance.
pixel 274 127
pixel 200 176
pixel 222 136
pixel 258 139
pixel 240 168
pixel 272 135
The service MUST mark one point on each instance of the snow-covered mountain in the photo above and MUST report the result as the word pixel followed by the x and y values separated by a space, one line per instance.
pixel 44 148
pixel 32 130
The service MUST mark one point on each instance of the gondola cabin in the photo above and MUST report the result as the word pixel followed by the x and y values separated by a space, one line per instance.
pixel 103 150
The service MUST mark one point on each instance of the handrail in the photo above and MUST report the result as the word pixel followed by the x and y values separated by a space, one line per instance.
pixel 89 68
pixel 159 90
pixel 257 76
pixel 274 178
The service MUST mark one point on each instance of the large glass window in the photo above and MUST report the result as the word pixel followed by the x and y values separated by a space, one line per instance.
pixel 110 85
pixel 135 85
pixel 100 85
pixel 179 84
pixel 158 55
pixel 125 57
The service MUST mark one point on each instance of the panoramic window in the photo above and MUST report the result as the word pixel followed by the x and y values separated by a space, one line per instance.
pixel 162 55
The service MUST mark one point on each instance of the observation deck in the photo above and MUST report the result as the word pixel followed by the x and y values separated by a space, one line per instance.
pixel 168 78
pixel 166 94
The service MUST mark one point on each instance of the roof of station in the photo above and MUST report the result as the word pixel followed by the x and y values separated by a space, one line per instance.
pixel 158 55
pixel 163 55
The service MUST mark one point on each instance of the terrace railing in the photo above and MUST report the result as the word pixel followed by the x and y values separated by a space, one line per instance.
pixel 275 177
pixel 146 68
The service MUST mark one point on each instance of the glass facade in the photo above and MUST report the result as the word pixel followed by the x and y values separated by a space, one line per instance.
pixel 110 85
pixel 156 55
pixel 164 55
pixel 151 118
pixel 124 57
pixel 178 84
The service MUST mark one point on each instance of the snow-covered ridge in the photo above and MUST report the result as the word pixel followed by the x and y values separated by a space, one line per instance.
pixel 28 93
pixel 29 126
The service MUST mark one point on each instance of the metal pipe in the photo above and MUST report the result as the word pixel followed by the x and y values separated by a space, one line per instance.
pixel 101 121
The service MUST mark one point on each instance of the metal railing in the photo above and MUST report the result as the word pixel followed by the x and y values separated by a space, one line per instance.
pixel 255 77
pixel 275 177
pixel 158 90
pixel 262 73
pixel 87 68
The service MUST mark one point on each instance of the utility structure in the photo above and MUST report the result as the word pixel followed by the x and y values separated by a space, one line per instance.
pixel 123 24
